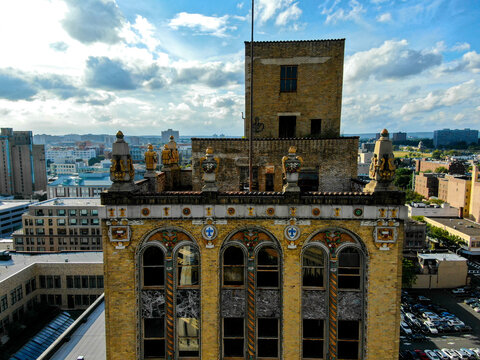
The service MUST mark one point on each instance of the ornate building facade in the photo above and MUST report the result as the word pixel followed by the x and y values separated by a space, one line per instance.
pixel 217 274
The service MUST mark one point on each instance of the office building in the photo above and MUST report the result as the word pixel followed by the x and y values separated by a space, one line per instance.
pixel 60 224
pixel 450 137
pixel 22 164
pixel 11 215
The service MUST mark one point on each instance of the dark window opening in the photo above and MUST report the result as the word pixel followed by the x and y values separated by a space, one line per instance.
pixel 288 78
pixel 349 269
pixel 233 267
pixel 308 180
pixel 315 127
pixel 348 339
pixel 269 182
pixel 313 337
pixel 267 268
pixel 313 267
pixel 233 337
pixel 267 338
pixel 287 126
pixel 245 178
pixel 153 267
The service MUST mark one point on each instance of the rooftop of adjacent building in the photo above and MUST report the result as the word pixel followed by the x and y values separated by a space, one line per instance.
pixel 86 337
pixel 12 204
pixel 442 257
pixel 73 202
pixel 20 261
pixel 465 226
pixel 84 179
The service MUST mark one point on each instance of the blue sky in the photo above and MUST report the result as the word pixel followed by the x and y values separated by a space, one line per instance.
pixel 96 66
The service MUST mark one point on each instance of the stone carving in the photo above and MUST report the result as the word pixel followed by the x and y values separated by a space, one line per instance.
pixel 170 153
pixel 314 304
pixel 209 165
pixel 188 304
pixel 349 305
pixel 267 303
pixel 382 167
pixel 153 303
pixel 233 303
pixel 291 165
pixel 122 172
pixel 151 159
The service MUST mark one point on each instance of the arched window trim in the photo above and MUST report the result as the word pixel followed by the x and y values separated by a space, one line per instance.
pixel 364 258
pixel 244 249
pixel 143 245
pixel 326 264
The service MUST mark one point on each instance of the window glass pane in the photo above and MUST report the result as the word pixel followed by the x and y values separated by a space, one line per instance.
pixel 313 349
pixel 153 276
pixel 188 275
pixel 233 347
pixel 153 256
pixel 188 347
pixel 154 328
pixel 267 348
pixel 348 282
pixel 154 348
pixel 233 256
pixel 267 256
pixel 349 257
pixel 313 256
pixel 233 327
pixel 313 276
pixel 313 328
pixel 267 328
pixel 347 350
pixel 187 255
pixel 348 330
pixel 233 275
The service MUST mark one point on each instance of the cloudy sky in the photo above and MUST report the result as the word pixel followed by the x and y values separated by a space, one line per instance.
pixel 95 66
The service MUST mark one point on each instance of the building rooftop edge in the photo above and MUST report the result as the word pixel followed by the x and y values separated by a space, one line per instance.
pixel 273 139
pixel 295 41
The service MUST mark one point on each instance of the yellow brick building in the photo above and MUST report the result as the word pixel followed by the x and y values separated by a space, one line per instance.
pixel 283 274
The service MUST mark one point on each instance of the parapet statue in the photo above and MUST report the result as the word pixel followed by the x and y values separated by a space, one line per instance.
pixel 170 153
pixel 382 168
pixel 151 158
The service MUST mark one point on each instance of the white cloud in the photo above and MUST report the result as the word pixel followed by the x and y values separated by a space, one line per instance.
pixel 452 96
pixel 353 13
pixel 384 18
pixel 147 32
pixel 203 25
pixel 469 62
pixel 240 5
pixel 461 46
pixel 393 59
pixel 290 14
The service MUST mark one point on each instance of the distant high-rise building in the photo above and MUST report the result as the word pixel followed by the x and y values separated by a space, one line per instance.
pixel 399 136
pixel 167 133
pixel 448 136
pixel 22 164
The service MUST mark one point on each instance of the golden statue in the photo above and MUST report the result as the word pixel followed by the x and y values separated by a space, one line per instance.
pixel 170 153
pixel 151 158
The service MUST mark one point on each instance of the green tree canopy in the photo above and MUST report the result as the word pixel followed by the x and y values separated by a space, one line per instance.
pixel 409 275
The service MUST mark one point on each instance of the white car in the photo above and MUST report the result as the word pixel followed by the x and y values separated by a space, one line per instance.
pixel 405 328
pixel 431 327
pixel 462 354
pixel 451 354
pixel 441 354
pixel 431 355
pixel 458 291
pixel 476 351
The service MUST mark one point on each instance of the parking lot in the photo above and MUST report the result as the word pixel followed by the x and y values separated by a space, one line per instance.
pixel 452 339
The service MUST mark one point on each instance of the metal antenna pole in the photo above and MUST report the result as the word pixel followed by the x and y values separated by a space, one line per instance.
pixel 250 135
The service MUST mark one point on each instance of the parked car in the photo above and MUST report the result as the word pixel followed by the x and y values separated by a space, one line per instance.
pixel 470 353
pixel 421 354
pixel 441 354
pixel 476 351
pixel 458 291
pixel 451 354
pixel 5 255
pixel 404 327
pixel 455 323
pixel 431 328
pixel 418 337
pixel 431 355
pixel 462 354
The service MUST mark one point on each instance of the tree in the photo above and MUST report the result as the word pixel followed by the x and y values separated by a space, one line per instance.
pixel 403 178
pixel 437 154
pixel 441 169
pixel 409 275
pixel 411 195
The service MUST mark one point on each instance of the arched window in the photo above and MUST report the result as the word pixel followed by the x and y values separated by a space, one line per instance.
pixel 251 294
pixel 170 289
pixel 314 311
pixel 153 300
pixel 333 266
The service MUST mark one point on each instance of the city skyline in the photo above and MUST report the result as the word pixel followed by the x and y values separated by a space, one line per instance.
pixel 98 65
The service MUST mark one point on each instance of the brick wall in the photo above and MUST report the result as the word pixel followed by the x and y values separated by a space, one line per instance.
pixel 335 160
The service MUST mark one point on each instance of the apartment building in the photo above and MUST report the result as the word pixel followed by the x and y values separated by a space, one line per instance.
pixel 22 164
pixel 67 280
pixel 82 185
pixel 11 215
pixel 60 224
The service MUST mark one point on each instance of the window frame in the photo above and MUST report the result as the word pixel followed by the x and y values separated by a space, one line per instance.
pixel 222 264
pixel 288 84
